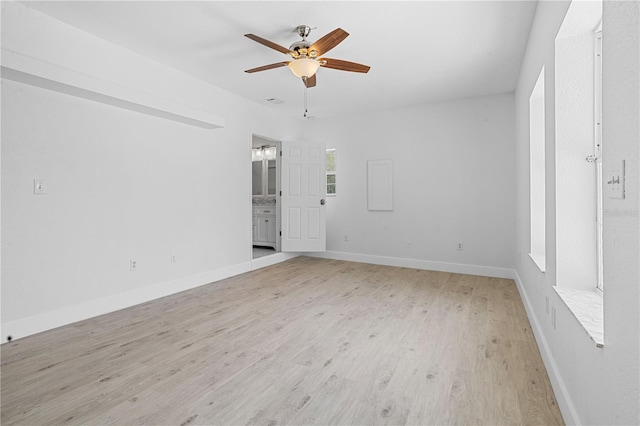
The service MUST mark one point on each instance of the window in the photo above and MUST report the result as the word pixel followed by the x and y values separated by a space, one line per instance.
pixel 578 141
pixel 537 173
pixel 331 171
pixel 578 166
pixel 598 152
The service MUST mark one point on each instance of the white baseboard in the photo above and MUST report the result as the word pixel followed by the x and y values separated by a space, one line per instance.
pixel 565 404
pixel 49 320
pixel 271 259
pixel 457 268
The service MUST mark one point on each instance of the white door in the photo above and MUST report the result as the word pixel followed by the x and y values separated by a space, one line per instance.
pixel 303 196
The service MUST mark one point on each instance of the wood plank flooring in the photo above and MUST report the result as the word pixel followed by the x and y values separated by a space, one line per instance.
pixel 308 341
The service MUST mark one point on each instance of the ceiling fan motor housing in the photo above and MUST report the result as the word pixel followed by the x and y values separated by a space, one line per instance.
pixel 301 48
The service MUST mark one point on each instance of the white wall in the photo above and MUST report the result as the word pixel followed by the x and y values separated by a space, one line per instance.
pixel 121 185
pixel 621 140
pixel 125 185
pixel 593 385
pixel 453 181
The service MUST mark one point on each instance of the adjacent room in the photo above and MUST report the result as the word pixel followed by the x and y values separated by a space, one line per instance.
pixel 310 213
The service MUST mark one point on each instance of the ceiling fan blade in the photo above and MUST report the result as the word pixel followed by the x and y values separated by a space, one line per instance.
pixel 310 81
pixel 329 41
pixel 341 65
pixel 268 67
pixel 268 43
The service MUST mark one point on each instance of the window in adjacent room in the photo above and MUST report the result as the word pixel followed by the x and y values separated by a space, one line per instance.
pixel 537 172
pixel 331 171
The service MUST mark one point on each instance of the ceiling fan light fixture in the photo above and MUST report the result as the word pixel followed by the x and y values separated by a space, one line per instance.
pixel 307 57
pixel 304 67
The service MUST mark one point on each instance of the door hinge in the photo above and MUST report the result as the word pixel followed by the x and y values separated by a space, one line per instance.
pixel 281 233
pixel 280 153
pixel 281 193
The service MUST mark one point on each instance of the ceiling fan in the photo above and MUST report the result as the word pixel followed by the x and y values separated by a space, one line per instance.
pixel 306 55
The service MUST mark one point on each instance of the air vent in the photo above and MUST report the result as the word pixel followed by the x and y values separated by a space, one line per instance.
pixel 274 101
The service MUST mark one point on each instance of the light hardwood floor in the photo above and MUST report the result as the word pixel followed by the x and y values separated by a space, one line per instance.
pixel 308 341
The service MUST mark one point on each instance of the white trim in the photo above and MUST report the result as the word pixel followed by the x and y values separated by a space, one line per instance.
pixel 92 308
pixel 458 268
pixel 271 259
pixel 562 395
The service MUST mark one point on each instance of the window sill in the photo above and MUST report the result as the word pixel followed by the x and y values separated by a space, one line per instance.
pixel 539 260
pixel 586 307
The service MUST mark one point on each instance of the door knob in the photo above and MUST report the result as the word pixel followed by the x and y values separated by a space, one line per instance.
pixel 322 202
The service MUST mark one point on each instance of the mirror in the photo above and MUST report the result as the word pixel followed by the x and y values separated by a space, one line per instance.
pixel 256 177
pixel 271 177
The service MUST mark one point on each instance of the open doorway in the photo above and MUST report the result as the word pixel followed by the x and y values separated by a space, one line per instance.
pixel 265 187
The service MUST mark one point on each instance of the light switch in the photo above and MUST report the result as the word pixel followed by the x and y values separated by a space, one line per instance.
pixel 614 180
pixel 39 187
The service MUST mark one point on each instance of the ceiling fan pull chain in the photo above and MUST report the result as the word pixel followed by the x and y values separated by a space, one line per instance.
pixel 305 101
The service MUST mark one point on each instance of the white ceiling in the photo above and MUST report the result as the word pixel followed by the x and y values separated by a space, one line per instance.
pixel 419 51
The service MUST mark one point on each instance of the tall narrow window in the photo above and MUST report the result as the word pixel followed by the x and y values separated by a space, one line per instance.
pixel 578 169
pixel 598 152
pixel 537 172
pixel 578 172
pixel 331 171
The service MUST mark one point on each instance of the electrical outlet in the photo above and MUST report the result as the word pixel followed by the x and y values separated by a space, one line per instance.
pixel 460 247
pixel 173 258
pixel 346 237
pixel 133 265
